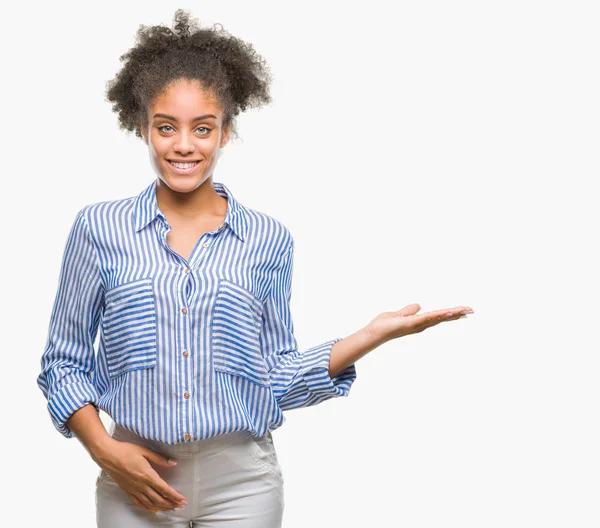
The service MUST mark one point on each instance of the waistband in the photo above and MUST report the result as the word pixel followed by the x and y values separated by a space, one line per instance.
pixel 203 446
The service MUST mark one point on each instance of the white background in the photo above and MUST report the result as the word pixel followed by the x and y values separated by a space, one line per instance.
pixel 435 152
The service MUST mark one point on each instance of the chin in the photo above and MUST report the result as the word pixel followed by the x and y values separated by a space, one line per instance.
pixel 183 184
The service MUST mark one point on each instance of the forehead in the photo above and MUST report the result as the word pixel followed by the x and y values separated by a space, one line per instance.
pixel 185 99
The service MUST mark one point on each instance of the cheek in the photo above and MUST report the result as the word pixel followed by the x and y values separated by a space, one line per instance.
pixel 213 150
pixel 157 146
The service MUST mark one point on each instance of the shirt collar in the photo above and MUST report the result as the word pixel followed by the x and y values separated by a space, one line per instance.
pixel 145 209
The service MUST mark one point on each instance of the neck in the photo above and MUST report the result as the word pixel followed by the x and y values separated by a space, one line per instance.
pixel 203 201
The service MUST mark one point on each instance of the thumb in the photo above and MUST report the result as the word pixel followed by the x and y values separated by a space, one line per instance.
pixel 157 458
pixel 409 309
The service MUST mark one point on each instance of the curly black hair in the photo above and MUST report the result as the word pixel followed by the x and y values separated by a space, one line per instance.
pixel 222 63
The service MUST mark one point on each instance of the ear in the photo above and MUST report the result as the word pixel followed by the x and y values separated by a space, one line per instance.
pixel 225 135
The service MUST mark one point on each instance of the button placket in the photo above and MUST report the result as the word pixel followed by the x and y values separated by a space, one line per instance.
pixel 205 242
pixel 186 367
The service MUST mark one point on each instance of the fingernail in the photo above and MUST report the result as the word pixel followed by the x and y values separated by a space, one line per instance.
pixel 173 462
pixel 449 314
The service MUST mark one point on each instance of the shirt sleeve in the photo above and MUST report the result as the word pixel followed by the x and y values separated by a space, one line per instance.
pixel 298 379
pixel 68 360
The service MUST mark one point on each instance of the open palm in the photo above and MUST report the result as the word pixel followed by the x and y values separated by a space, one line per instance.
pixel 390 325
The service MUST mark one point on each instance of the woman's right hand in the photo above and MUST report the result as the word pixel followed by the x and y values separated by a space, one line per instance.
pixel 129 466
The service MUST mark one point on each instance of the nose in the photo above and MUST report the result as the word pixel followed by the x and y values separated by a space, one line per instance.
pixel 184 143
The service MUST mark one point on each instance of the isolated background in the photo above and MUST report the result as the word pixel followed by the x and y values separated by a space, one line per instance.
pixel 434 152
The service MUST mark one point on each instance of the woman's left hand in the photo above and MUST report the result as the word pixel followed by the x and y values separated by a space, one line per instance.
pixel 391 325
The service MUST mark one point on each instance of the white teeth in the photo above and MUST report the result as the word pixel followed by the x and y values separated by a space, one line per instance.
pixel 183 165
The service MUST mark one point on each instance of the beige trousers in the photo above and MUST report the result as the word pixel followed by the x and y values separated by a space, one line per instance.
pixel 230 481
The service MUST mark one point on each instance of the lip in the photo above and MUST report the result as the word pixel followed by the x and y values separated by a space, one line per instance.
pixel 184 171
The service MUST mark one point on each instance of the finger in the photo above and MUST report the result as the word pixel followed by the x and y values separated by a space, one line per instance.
pixel 457 310
pixel 432 318
pixel 160 501
pixel 161 487
pixel 141 500
pixel 156 457
pixel 441 317
pixel 136 501
pixel 139 503
pixel 409 309
pixel 453 317
pixel 432 314
pixel 449 312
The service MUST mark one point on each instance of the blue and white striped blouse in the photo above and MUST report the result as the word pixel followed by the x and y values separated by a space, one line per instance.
pixel 187 349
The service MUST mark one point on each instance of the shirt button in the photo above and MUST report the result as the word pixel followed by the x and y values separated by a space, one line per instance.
pixel 185 353
pixel 187 436
pixel 206 244
pixel 184 311
pixel 187 270
pixel 186 395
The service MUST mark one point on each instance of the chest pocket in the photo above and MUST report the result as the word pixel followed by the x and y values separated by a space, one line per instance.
pixel 236 326
pixel 129 327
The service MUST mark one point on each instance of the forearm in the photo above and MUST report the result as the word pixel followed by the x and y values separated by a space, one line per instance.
pixel 89 429
pixel 350 349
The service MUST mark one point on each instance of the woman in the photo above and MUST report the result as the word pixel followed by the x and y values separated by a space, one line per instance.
pixel 190 291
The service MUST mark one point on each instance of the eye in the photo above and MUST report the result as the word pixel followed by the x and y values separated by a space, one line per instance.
pixel 206 129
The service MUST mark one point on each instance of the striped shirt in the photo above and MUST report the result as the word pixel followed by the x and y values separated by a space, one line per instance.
pixel 188 349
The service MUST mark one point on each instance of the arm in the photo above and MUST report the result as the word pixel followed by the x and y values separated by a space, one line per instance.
pixel 85 423
pixel 350 349
pixel 298 379
pixel 68 361
pixel 384 328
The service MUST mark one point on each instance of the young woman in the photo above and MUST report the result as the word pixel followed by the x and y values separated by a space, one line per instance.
pixel 190 290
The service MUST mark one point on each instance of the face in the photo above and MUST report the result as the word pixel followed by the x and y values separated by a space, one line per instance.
pixel 184 135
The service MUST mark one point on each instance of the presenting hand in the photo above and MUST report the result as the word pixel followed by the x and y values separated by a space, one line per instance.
pixel 128 465
pixel 390 325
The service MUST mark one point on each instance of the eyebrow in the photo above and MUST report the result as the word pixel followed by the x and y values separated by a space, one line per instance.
pixel 199 118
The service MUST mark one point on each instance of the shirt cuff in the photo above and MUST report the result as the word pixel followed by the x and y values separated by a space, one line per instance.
pixel 68 399
pixel 315 372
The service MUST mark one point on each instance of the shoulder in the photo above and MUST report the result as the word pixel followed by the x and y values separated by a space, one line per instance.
pixel 266 229
pixel 107 215
pixel 107 207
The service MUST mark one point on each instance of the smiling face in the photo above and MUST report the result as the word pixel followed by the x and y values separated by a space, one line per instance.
pixel 184 135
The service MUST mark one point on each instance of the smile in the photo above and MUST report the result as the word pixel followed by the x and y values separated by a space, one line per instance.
pixel 183 168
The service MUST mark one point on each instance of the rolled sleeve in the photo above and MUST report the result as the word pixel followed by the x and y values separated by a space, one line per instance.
pixel 315 371
pixel 298 379
pixel 69 399
pixel 68 361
